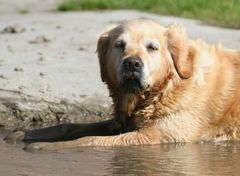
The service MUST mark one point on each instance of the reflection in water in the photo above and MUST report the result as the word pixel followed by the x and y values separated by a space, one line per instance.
pixel 182 159
pixel 189 159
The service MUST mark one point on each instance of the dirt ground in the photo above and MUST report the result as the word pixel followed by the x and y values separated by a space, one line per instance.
pixel 23 6
pixel 48 66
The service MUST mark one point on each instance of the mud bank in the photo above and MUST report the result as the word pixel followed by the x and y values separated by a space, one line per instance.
pixel 26 112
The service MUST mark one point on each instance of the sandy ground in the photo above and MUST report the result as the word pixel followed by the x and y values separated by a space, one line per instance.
pixel 21 6
pixel 49 69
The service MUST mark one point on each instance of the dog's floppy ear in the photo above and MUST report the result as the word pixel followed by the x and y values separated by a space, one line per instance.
pixel 102 47
pixel 181 52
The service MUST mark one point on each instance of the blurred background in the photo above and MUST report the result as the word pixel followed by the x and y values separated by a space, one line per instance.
pixel 224 13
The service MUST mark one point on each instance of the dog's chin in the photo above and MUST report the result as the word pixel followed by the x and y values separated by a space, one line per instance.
pixel 132 86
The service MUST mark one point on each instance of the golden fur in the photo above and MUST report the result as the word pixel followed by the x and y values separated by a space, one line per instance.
pixel 191 94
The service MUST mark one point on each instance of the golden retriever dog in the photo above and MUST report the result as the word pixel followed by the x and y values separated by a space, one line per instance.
pixel 165 87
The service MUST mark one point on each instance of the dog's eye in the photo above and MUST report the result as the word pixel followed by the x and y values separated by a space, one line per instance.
pixel 120 44
pixel 152 47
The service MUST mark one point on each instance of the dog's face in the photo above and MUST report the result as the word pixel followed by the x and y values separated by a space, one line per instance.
pixel 137 54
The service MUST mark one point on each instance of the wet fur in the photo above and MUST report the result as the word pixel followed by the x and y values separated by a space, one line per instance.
pixel 193 97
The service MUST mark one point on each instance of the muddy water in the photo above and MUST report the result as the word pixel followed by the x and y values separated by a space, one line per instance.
pixel 189 159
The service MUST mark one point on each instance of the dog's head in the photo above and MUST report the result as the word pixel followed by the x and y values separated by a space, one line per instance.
pixel 135 55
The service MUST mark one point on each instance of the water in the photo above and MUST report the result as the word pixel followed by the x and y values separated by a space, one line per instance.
pixel 189 159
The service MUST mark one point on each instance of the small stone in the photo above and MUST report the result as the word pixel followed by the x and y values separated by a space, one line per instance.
pixel 15 137
pixel 58 27
pixel 42 58
pixel 81 49
pixel 83 96
pixel 42 74
pixel 12 29
pixel 40 39
pixel 18 69
pixel 21 87
pixel 2 77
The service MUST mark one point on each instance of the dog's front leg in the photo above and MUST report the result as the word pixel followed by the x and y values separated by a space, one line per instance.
pixel 65 132
pixel 141 137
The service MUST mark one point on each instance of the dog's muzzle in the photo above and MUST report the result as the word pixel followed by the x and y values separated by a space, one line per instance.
pixel 132 75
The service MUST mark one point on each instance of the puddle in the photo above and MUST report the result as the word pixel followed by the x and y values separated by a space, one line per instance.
pixel 189 159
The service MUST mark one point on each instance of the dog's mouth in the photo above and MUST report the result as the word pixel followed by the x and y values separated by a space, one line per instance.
pixel 132 82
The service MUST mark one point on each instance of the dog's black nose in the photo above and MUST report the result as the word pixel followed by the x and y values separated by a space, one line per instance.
pixel 132 64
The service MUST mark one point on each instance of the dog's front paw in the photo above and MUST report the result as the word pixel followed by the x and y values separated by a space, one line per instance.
pixel 15 137
pixel 38 146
